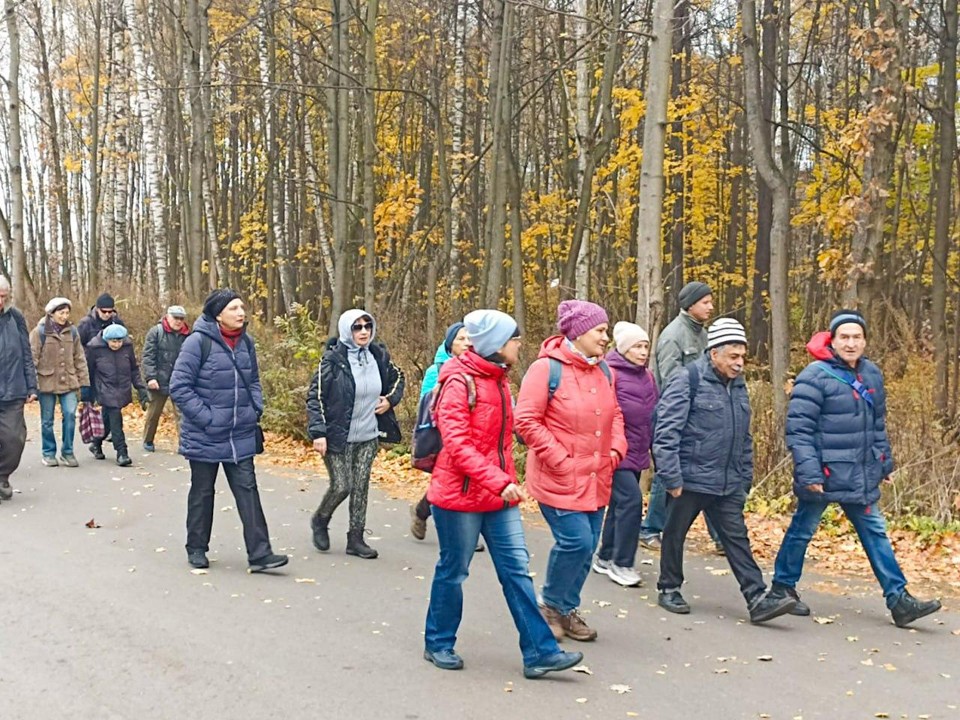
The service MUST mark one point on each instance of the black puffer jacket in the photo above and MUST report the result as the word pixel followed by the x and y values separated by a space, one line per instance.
pixel 113 373
pixel 91 325
pixel 331 396
pixel 160 351
pixel 18 375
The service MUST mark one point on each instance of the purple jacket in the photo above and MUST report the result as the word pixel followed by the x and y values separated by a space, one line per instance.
pixel 637 394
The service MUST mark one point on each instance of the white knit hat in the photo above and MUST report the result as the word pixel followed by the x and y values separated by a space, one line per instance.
pixel 725 331
pixel 55 304
pixel 628 334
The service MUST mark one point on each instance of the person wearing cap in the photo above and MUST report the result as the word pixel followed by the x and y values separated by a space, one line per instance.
pixel 474 491
pixel 637 396
pixel 349 412
pixel 681 343
pixel 575 440
pixel 837 435
pixel 101 315
pixel 160 350
pixel 703 449
pixel 61 372
pixel 455 343
pixel 18 386
pixel 216 386
pixel 112 365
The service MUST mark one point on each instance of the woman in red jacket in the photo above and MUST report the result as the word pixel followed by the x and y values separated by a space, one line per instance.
pixel 568 415
pixel 474 491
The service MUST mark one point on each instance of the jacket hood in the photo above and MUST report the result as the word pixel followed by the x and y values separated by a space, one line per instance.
pixel 442 355
pixel 621 364
pixel 555 347
pixel 472 364
pixel 347 319
pixel 819 346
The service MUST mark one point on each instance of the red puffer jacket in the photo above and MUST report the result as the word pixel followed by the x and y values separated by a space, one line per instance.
pixel 570 437
pixel 476 462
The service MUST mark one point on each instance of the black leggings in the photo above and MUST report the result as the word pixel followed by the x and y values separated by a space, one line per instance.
pixel 350 477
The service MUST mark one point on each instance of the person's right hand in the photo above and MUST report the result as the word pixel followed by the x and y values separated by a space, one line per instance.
pixel 153 384
pixel 512 493
pixel 817 488
pixel 675 492
pixel 320 445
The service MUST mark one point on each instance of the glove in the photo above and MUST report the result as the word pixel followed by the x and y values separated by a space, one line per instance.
pixel 144 399
pixel 86 394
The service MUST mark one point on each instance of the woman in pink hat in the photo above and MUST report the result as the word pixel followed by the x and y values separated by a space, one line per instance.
pixel 567 413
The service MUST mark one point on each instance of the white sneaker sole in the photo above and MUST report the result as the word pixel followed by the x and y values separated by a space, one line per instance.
pixel 624 583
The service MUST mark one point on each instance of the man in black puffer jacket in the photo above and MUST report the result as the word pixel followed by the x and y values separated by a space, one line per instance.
pixel 101 315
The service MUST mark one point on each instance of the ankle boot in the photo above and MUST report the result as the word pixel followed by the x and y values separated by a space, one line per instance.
pixel 321 537
pixel 97 450
pixel 356 545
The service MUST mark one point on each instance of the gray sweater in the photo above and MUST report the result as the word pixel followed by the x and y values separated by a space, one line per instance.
pixel 366 376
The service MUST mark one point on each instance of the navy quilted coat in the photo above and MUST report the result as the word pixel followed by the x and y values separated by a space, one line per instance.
pixel 219 415
pixel 838 439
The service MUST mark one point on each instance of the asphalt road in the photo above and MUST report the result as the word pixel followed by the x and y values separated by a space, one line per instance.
pixel 110 623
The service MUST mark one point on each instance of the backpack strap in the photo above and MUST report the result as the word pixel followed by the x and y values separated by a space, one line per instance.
pixel 471 384
pixel 858 387
pixel 556 370
pixel 74 333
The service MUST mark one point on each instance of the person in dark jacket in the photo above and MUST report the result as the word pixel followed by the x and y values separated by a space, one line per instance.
pixel 474 491
pixel 703 449
pixel 637 396
pixel 216 385
pixel 160 350
pixel 349 412
pixel 101 315
pixel 18 385
pixel 837 434
pixel 113 372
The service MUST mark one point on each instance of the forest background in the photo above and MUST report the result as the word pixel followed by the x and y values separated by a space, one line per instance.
pixel 420 158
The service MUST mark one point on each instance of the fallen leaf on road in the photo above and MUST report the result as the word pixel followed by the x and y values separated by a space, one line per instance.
pixel 852 638
pixel 889 667
pixel 765 658
pixel 583 669
pixel 956 632
pixel 646 561
pixel 720 671
pixel 945 675
pixel 304 580
pixel 199 571
pixel 881 715
pixel 160 549
pixel 581 700
pixel 602 603
pixel 868 662
pixel 823 620
pixel 92 524
pixel 621 689
pixel 720 571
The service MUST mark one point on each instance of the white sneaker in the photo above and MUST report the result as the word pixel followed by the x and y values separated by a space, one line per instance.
pixel 628 577
pixel 602 567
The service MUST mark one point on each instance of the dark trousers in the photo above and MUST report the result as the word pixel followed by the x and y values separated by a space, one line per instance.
pixel 243 484
pixel 621 529
pixel 154 412
pixel 423 508
pixel 726 512
pixel 13 436
pixel 113 426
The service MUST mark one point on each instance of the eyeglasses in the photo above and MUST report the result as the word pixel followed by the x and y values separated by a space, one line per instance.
pixel 111 311
pixel 357 327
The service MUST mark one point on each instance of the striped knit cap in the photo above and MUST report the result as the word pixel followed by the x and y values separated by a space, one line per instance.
pixel 725 331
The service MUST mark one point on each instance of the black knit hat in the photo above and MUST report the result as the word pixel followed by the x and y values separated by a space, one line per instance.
pixel 450 336
pixel 217 301
pixel 106 302
pixel 692 293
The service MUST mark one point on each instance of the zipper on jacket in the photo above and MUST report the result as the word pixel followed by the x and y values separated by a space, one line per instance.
pixel 503 427
pixel 465 486
pixel 733 422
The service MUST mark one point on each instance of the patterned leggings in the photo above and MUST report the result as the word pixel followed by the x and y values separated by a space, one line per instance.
pixel 350 475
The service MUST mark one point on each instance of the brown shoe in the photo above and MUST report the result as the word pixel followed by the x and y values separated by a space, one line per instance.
pixel 554 620
pixel 575 627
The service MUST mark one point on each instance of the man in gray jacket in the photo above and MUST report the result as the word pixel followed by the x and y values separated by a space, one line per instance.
pixel 681 343
pixel 704 452
pixel 160 350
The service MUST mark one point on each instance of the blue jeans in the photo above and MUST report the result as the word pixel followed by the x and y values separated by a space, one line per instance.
pixel 656 518
pixel 867 520
pixel 576 535
pixel 68 408
pixel 503 530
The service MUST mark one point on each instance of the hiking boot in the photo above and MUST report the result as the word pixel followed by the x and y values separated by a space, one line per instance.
pixel 49 461
pixel 6 492
pixel 321 536
pixel 672 601
pixel 418 525
pixel 149 446
pixel 269 562
pixel 197 559
pixel 908 609
pixel 97 450
pixel 625 576
pixel 554 620
pixel 576 628
pixel 444 659
pixel 650 542
pixel 770 606
pixel 123 460
pixel 552 663
pixel 601 566
pixel 801 609
pixel 718 548
pixel 69 460
pixel 356 545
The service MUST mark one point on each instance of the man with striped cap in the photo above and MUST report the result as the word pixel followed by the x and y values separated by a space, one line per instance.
pixel 704 451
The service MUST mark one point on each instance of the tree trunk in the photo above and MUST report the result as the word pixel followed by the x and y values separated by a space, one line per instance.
pixel 369 119
pixel 19 260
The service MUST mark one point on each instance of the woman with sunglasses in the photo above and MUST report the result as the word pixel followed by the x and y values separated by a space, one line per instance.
pixel 349 412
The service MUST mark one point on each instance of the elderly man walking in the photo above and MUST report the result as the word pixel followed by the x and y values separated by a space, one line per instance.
pixel 160 350
pixel 18 385
pixel 837 434
pixel 704 451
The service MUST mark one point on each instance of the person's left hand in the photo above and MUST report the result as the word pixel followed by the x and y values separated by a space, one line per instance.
pixel 31 398
pixel 144 399
pixel 382 405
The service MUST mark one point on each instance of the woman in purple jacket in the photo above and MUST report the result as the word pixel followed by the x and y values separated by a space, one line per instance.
pixel 637 395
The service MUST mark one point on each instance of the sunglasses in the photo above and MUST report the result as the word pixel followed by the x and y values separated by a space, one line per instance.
pixel 111 311
pixel 357 327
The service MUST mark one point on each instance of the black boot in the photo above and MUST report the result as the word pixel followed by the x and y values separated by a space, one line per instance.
pixel 908 609
pixel 356 545
pixel 123 460
pixel 97 450
pixel 321 536
pixel 778 591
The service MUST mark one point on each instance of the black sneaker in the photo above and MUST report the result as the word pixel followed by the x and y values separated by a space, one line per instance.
pixel 197 559
pixel 6 492
pixel 97 451
pixel 801 609
pixel 270 562
pixel 123 460
pixel 770 606
pixel 908 609
pixel 673 601
pixel 552 663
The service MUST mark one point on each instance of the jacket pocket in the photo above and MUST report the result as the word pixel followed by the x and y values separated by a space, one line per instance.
pixel 841 471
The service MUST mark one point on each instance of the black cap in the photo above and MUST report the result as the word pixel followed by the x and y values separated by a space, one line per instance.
pixel 692 293
pixel 217 301
pixel 106 302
